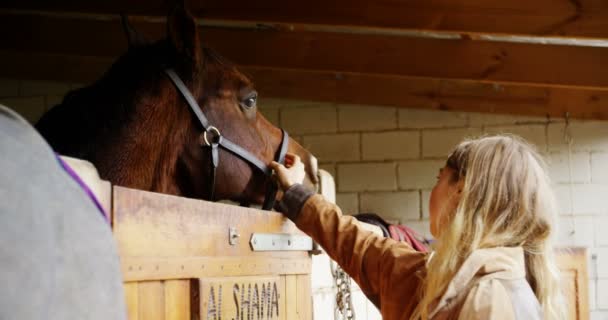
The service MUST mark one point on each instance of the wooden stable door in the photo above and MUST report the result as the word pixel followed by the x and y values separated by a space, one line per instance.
pixel 178 261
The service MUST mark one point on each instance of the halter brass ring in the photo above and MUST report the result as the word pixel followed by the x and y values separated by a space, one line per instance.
pixel 216 135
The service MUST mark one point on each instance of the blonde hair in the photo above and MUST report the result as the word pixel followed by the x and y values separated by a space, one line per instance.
pixel 506 201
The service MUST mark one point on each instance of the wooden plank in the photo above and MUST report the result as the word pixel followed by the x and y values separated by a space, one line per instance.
pixel 177 299
pixel 340 52
pixel 151 300
pixel 583 18
pixel 159 268
pixel 572 263
pixel 148 224
pixel 431 93
pixel 357 88
pixel 243 298
pixel 40 66
pixel 291 290
pixel 304 304
pixel 132 297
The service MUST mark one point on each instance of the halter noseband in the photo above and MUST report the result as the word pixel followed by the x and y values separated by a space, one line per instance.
pixel 212 138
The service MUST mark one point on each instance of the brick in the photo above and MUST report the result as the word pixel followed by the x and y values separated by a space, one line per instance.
pixel 348 202
pixel 599 167
pixel 367 177
pixel 439 143
pixel 560 165
pixel 599 315
pixel 297 104
pixel 331 148
pixel 359 302
pixel 601 236
pixel 9 88
pixel 419 119
pixel 586 198
pixel 30 108
pixel 419 174
pixel 52 101
pixel 583 227
pixel 590 198
pixel 309 120
pixel 392 205
pixel 320 276
pixel 34 88
pixel 366 118
pixel 562 195
pixel 330 168
pixel 602 294
pixel 534 134
pixel 492 119
pixel 586 136
pixel 390 145
pixel 372 312
pixel 592 294
pixel 78 85
pixel 601 263
pixel 425 198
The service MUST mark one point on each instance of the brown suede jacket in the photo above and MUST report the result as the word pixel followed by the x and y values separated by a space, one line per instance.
pixel 491 283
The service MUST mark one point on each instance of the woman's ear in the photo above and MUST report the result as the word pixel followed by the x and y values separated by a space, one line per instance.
pixel 460 185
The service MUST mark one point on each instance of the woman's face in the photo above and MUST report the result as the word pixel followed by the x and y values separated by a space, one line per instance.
pixel 444 199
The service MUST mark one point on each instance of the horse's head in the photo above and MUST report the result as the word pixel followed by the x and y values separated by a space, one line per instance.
pixel 227 98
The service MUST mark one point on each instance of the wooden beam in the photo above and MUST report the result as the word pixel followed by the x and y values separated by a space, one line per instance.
pixel 489 61
pixel 356 88
pixel 581 18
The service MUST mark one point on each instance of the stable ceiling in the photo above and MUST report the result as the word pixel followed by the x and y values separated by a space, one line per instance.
pixel 541 57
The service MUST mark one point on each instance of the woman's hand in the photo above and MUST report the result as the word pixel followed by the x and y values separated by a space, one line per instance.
pixel 289 174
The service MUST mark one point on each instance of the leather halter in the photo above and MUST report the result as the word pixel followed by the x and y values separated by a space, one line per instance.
pixel 212 138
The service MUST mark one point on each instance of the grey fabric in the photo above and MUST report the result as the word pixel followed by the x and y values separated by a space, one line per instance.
pixel 293 200
pixel 58 259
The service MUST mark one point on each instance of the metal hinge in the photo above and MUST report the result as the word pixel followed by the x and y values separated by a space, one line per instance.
pixel 280 242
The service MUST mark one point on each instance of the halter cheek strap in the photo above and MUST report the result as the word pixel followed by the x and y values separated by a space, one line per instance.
pixel 212 138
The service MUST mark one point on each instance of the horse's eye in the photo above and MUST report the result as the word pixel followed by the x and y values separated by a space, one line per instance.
pixel 250 102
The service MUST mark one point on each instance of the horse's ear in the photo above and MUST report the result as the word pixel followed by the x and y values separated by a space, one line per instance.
pixel 183 35
pixel 134 38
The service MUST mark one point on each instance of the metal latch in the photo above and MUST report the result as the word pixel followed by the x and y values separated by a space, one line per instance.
pixel 233 236
pixel 280 242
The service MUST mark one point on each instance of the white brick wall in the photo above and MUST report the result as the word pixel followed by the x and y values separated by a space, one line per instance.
pixel 391 145
pixel 439 143
pixel 32 98
pixel 367 177
pixel 332 148
pixel 385 159
pixel 392 205
pixel 309 120
pixel 424 119
pixel 419 174
pixel 366 118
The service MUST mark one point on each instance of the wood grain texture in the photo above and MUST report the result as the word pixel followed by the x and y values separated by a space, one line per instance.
pixel 148 224
pixel 356 88
pixel 339 52
pixel 572 263
pixel 132 300
pixel 151 300
pixel 177 299
pixel 584 18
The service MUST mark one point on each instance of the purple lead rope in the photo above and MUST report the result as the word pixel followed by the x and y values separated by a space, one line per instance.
pixel 84 187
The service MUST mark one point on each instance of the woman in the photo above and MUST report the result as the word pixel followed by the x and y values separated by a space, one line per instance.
pixel 492 213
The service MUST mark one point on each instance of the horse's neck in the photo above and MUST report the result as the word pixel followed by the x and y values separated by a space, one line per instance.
pixel 145 155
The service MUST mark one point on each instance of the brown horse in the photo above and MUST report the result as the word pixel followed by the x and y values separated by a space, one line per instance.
pixel 137 129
